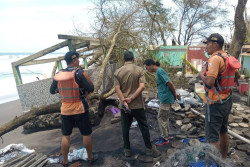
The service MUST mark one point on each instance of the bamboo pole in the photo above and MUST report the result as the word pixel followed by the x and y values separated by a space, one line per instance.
pixel 229 131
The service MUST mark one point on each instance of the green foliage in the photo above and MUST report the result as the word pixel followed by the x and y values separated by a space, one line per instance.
pixel 197 18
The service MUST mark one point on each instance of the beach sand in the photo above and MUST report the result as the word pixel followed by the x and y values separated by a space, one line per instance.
pixel 47 141
pixel 9 111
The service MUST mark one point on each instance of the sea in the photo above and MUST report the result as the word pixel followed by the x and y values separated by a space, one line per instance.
pixel 31 73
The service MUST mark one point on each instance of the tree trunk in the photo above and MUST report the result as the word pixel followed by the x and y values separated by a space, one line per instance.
pixel 105 61
pixel 247 27
pixel 19 121
pixel 240 30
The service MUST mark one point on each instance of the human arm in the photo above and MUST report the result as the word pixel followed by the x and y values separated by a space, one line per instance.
pixel 121 97
pixel 237 74
pixel 53 87
pixel 214 66
pixel 85 81
pixel 136 93
pixel 172 88
pixel 208 80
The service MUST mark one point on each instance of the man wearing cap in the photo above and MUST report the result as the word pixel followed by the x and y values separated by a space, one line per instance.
pixel 218 96
pixel 73 84
pixel 129 84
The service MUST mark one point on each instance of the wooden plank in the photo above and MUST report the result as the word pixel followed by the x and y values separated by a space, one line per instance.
pixel 81 45
pixel 91 48
pixel 42 163
pixel 41 53
pixel 38 161
pixel 14 160
pixel 60 36
pixel 32 160
pixel 42 61
pixel 20 164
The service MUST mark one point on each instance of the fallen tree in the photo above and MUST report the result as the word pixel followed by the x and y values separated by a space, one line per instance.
pixel 34 112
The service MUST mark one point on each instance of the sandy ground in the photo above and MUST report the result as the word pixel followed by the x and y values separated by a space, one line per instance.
pixel 107 139
pixel 10 110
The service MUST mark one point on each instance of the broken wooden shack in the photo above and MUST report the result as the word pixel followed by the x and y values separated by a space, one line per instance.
pixel 36 94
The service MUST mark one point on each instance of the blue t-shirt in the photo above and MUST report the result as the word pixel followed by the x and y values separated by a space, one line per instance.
pixel 164 92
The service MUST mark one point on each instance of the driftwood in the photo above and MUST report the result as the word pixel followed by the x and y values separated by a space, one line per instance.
pixel 34 112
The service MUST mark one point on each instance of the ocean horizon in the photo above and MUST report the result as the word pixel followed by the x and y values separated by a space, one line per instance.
pixel 8 90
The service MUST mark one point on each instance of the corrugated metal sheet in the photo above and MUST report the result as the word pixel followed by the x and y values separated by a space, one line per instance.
pixel 195 55
pixel 173 55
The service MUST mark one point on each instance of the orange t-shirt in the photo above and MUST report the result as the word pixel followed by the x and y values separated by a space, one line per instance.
pixel 215 66
pixel 72 108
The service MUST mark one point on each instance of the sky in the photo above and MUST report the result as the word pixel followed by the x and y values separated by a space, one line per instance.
pixel 33 25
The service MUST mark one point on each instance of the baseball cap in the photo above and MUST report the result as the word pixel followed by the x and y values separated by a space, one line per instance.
pixel 71 55
pixel 215 37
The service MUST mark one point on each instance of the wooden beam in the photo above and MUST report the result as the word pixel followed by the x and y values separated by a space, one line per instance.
pixel 81 44
pixel 42 61
pixel 60 36
pixel 90 48
pixel 41 53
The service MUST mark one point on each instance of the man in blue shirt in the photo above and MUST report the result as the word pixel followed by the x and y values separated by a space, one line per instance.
pixel 167 96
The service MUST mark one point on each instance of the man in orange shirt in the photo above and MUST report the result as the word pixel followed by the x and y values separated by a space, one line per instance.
pixel 73 84
pixel 219 103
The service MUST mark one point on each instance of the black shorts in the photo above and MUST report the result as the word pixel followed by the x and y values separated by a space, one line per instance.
pixel 80 120
pixel 219 114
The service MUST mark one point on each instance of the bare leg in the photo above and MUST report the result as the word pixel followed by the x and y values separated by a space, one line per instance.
pixel 65 148
pixel 217 145
pixel 224 144
pixel 87 142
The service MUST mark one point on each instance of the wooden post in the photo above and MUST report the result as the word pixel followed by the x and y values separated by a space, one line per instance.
pixel 248 98
pixel 17 74
pixel 59 65
pixel 71 48
pixel 85 63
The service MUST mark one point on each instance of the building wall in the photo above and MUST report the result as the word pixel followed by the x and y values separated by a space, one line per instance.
pixel 246 65
pixel 36 94
pixel 195 55
pixel 173 55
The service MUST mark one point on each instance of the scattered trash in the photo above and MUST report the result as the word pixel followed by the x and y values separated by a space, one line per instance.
pixel 12 151
pixel 134 124
pixel 114 110
pixel 189 98
pixel 182 92
pixel 202 139
pixel 127 164
pixel 157 164
pixel 154 103
pixel 196 156
pixel 76 154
